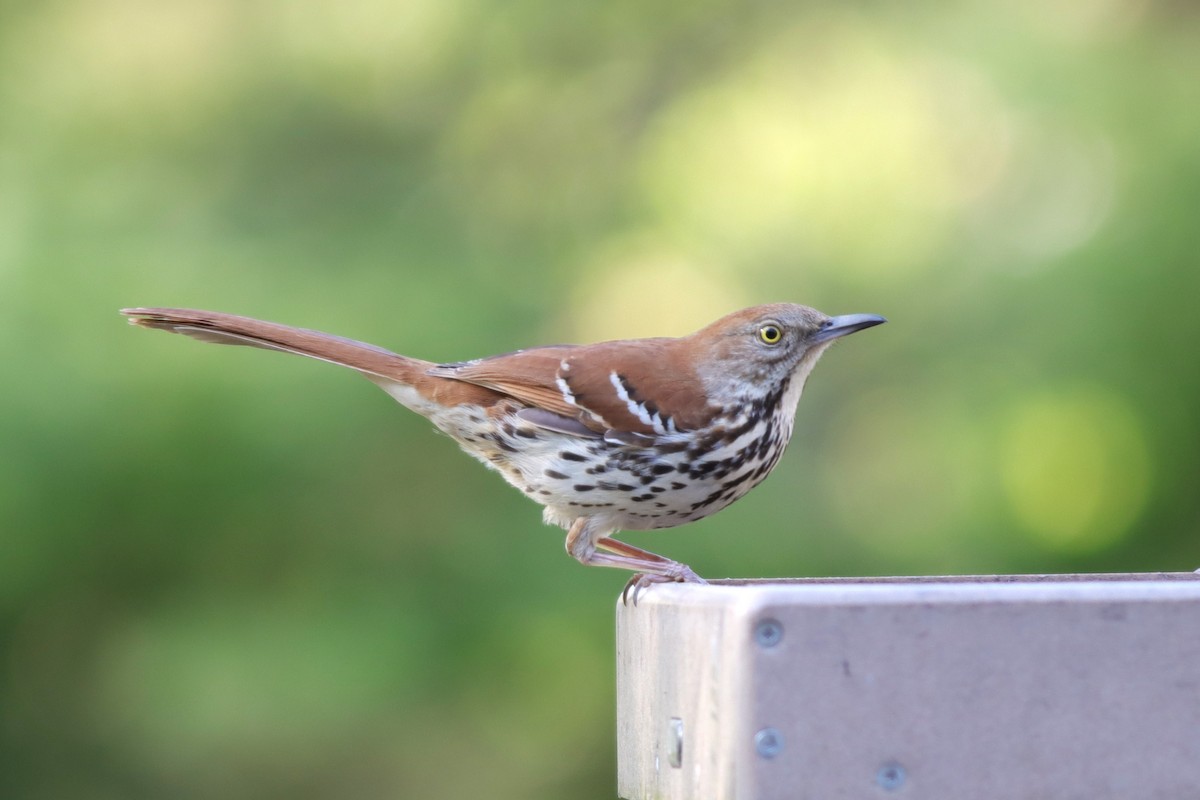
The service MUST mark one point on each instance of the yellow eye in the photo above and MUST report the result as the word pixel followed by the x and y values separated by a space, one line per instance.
pixel 770 333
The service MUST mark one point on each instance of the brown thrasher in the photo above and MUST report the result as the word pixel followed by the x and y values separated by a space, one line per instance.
pixel 636 434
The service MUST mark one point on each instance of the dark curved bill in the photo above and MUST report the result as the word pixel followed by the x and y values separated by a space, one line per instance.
pixel 846 324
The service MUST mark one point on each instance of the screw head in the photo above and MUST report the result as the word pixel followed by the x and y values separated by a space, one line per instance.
pixel 768 633
pixel 768 742
pixel 891 776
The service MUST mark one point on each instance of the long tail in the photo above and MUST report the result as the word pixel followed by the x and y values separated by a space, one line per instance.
pixel 214 326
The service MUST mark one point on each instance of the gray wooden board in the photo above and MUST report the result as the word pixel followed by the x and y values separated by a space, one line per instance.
pixel 1060 686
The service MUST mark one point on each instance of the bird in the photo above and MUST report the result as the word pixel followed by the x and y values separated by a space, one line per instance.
pixel 634 434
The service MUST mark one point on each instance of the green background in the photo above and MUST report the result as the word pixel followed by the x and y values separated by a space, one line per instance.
pixel 226 573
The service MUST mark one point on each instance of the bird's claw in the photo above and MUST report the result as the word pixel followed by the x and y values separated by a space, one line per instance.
pixel 641 580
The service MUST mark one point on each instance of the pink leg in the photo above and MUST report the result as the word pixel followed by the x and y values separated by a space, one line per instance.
pixel 602 551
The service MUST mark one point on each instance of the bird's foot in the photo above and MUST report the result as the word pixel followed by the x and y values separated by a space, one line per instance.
pixel 680 573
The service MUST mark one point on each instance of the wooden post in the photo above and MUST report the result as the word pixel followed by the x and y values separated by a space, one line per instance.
pixel 1058 686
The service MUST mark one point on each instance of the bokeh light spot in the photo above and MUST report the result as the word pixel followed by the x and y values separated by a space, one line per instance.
pixel 836 144
pixel 628 291
pixel 125 56
pixel 1076 468
pixel 903 475
pixel 1054 196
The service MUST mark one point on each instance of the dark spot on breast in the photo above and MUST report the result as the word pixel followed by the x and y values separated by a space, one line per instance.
pixel 583 487
pixel 567 455
pixel 558 476
pixel 707 501
pixel 735 481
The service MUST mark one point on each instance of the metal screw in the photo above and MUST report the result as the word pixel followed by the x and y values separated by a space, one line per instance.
pixel 768 633
pixel 675 742
pixel 768 742
pixel 890 776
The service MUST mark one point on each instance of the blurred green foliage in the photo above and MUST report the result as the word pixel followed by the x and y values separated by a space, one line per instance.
pixel 231 574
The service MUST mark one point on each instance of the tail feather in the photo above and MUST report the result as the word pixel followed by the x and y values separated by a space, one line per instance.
pixel 220 328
